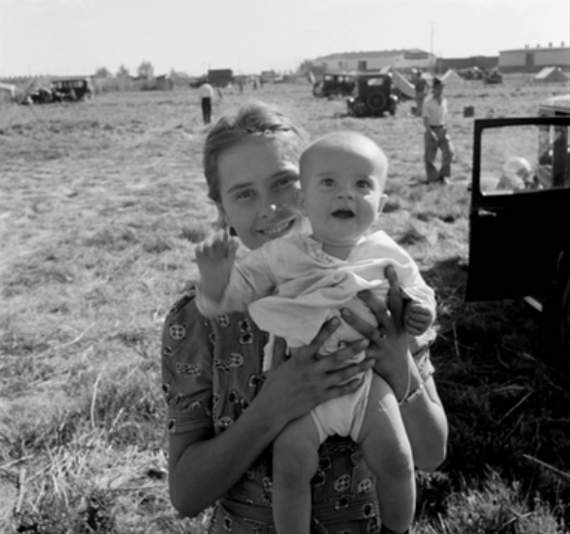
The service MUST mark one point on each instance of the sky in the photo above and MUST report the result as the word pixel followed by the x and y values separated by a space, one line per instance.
pixel 77 37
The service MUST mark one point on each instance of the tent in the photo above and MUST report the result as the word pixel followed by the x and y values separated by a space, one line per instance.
pixel 451 79
pixel 8 89
pixel 403 85
pixel 551 75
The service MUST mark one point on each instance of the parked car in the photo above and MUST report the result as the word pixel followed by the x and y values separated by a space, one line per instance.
pixel 519 242
pixel 72 89
pixel 334 84
pixel 493 76
pixel 374 96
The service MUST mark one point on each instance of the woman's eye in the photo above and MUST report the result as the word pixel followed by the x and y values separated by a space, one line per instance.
pixel 244 195
pixel 285 182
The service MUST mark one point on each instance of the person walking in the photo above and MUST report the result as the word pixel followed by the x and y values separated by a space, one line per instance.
pixel 206 93
pixel 421 87
pixel 436 135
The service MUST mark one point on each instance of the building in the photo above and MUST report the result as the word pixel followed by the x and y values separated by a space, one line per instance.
pixel 465 63
pixel 375 61
pixel 535 59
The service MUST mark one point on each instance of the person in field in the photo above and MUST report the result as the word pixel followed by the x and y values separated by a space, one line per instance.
pixel 292 285
pixel 421 89
pixel 224 412
pixel 206 94
pixel 436 136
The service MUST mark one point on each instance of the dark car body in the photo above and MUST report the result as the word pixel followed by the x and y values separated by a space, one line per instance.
pixel 72 89
pixel 519 242
pixel 334 84
pixel 493 76
pixel 373 96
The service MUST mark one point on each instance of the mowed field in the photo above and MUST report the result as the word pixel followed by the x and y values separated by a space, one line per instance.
pixel 101 205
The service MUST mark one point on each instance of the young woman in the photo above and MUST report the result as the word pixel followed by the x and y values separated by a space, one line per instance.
pixel 224 413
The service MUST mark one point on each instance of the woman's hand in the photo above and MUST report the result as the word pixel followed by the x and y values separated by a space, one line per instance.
pixel 297 384
pixel 388 341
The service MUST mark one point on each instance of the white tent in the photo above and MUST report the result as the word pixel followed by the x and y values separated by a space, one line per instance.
pixel 551 75
pixel 8 88
pixel 403 84
pixel 451 78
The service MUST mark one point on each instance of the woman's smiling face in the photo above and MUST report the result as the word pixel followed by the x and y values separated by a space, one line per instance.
pixel 259 190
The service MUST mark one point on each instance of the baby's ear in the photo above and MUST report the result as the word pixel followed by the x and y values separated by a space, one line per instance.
pixel 382 203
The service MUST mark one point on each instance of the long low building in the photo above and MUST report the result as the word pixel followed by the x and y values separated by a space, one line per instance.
pixel 374 61
pixel 535 59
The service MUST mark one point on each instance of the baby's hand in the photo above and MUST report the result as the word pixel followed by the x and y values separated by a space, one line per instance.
pixel 215 258
pixel 418 317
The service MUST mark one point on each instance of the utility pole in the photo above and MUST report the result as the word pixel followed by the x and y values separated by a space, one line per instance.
pixel 432 59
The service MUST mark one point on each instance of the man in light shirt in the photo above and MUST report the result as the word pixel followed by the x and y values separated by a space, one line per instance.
pixel 436 136
pixel 206 93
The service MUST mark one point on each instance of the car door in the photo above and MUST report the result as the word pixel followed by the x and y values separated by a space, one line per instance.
pixel 520 207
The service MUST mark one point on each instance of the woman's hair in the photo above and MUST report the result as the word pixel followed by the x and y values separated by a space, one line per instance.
pixel 253 120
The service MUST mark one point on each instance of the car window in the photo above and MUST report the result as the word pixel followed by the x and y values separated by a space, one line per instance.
pixel 523 159
pixel 376 81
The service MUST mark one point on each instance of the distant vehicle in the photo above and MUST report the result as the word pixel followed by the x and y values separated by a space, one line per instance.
pixel 72 89
pixel 471 73
pixel 555 106
pixel 221 77
pixel 493 76
pixel 374 96
pixel 334 84
pixel 519 243
pixel 60 90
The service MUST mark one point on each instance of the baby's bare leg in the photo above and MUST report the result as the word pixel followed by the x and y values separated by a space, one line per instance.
pixel 295 462
pixel 388 454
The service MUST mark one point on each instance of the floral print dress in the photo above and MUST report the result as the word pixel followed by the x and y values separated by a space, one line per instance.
pixel 212 369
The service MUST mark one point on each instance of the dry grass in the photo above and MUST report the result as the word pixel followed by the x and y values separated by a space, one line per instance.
pixel 101 204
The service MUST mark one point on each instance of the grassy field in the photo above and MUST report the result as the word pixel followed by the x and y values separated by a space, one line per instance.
pixel 101 205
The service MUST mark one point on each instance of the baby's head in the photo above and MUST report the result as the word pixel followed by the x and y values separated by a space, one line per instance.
pixel 343 176
pixel 516 174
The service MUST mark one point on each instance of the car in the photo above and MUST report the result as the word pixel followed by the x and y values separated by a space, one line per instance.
pixel 334 84
pixel 493 76
pixel 519 220
pixel 72 89
pixel 374 96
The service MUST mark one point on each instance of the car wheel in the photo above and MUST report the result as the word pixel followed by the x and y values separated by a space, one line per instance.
pixel 555 331
pixel 376 101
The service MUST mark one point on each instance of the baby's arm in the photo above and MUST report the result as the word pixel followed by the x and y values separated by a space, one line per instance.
pixel 420 304
pixel 228 285
pixel 215 258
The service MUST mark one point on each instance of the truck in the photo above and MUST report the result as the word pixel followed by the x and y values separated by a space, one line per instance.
pixel 220 77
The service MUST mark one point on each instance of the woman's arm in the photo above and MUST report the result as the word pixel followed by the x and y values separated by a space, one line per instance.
pixel 202 467
pixel 424 416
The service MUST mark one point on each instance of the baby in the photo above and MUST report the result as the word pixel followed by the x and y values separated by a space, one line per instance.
pixel 292 285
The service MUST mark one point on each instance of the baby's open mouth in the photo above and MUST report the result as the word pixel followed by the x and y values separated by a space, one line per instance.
pixel 343 214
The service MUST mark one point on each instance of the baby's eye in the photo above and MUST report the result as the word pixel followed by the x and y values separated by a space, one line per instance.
pixel 365 184
pixel 327 182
